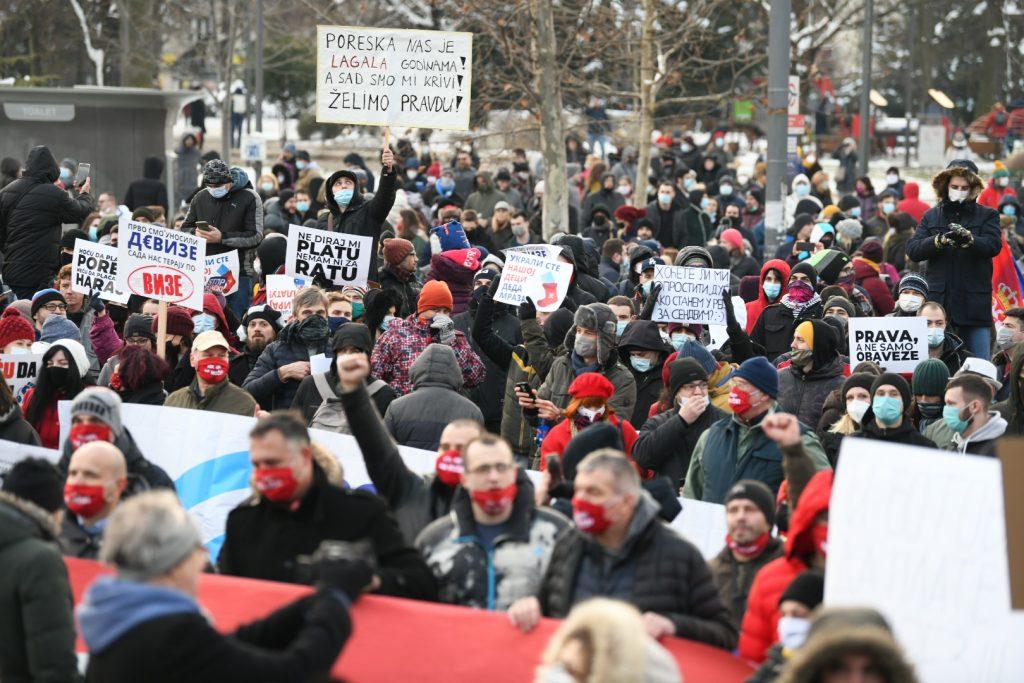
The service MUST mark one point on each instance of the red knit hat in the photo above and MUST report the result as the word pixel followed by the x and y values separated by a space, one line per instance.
pixel 733 237
pixel 13 327
pixel 435 294
pixel 179 321
pixel 396 250
pixel 591 385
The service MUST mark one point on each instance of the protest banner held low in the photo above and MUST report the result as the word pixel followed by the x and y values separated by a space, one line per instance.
pixel 393 77
pixel 690 295
pixel 897 344
pixel 222 273
pixel 543 279
pixel 21 371
pixel 281 291
pixel 157 263
pixel 337 257
pixel 12 452
pixel 94 269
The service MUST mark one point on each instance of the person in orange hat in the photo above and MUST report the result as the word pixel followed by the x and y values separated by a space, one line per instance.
pixel 590 394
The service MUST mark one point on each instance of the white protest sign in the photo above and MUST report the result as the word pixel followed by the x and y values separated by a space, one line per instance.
pixel 393 77
pixel 11 453
pixel 702 524
pixel 157 263
pixel 931 556
pixel 281 291
pixel 896 344
pixel 690 295
pixel 94 267
pixel 334 256
pixel 719 333
pixel 543 279
pixel 21 371
pixel 544 250
pixel 221 273
pixel 319 364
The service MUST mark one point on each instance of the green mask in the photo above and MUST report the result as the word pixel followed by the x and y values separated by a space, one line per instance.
pixel 357 310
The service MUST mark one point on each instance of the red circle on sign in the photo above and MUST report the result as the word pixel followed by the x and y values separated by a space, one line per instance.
pixel 160 282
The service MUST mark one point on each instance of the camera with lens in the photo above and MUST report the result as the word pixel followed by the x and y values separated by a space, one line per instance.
pixel 313 568
pixel 958 235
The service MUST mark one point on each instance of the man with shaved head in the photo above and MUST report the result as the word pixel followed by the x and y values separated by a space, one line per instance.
pixel 97 476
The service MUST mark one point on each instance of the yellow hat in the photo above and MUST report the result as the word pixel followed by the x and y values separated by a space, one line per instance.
pixel 806 330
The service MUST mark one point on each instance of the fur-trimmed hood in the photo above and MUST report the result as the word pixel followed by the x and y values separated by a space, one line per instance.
pixel 940 183
pixel 29 520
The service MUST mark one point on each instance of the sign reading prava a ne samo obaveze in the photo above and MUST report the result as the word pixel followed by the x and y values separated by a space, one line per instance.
pixel 896 344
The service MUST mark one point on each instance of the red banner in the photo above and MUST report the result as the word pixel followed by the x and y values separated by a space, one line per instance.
pixel 1006 283
pixel 400 640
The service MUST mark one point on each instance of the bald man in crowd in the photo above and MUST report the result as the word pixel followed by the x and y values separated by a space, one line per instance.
pixel 97 477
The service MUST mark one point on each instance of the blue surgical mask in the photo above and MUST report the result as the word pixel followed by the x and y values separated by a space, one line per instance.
pixel 725 190
pixel 855 212
pixel 887 409
pixel 336 321
pixel 94 233
pixel 1009 210
pixel 664 198
pixel 620 327
pixel 204 322
pixel 646 287
pixel 267 187
pixel 704 203
pixel 689 183
pixel 218 192
pixel 951 416
pixel 20 351
pixel 680 338
pixel 343 197
pixel 386 322
pixel 640 364
pixel 802 190
pixel 772 290
pixel 444 186
pixel 65 174
pixel 936 335
pixel 888 207
pixel 300 164
pixel 303 207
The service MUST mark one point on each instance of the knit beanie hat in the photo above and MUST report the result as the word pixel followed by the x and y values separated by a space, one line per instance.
pixel 732 237
pixel 13 327
pixel 37 481
pixel 597 436
pixel 864 380
pixel 67 240
pixel 761 373
pixel 806 330
pixel 1000 170
pixel 872 250
pixel 807 269
pixel 930 378
pixel 435 294
pixel 850 229
pixel 682 371
pixel 45 296
pixel 697 351
pixel 758 494
pixel 843 303
pixel 450 236
pixel 694 256
pixel 102 403
pixel 808 588
pixel 216 172
pixel 263 312
pixel 396 250
pixel 139 325
pixel 76 351
pixel 58 327
pixel 179 321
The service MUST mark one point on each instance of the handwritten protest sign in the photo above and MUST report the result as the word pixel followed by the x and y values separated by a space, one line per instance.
pixel 334 256
pixel 94 267
pixel 280 292
pixel 157 263
pixel 897 344
pixel 690 295
pixel 393 77
pixel 222 272
pixel 546 250
pixel 543 279
pixel 20 371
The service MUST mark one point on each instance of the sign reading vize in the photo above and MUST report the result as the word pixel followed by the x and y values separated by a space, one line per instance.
pixel 690 295
pixel 542 279
pixel 94 268
pixel 161 264
pixel 333 256
pixel 896 344
pixel 393 77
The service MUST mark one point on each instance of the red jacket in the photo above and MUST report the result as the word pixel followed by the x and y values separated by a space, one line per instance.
pixel 559 436
pixel 759 629
pixel 754 308
pixel 866 275
pixel 911 202
pixel 991 195
pixel 48 425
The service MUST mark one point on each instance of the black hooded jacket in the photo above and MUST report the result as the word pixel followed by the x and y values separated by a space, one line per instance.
pixel 644 335
pixel 587 271
pixel 32 210
pixel 361 217
pixel 803 393
pixel 148 190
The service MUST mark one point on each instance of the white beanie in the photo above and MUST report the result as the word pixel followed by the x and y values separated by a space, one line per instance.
pixel 77 353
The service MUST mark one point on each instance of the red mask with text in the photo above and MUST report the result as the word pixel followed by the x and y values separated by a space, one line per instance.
pixel 449 468
pixel 82 434
pixel 85 500
pixel 495 501
pixel 590 518
pixel 739 400
pixel 277 484
pixel 819 536
pixel 752 549
pixel 212 370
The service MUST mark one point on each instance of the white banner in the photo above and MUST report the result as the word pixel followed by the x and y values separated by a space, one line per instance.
pixel 393 77
pixel 11 453
pixel 281 291
pixel 897 344
pixel 162 264
pixel 94 267
pixel 690 295
pixel 702 524
pixel 21 371
pixel 222 273
pixel 334 256
pixel 543 279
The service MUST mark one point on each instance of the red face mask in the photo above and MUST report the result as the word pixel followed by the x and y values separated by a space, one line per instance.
pixel 277 484
pixel 212 370
pixel 752 549
pixel 82 434
pixel 449 468
pixel 819 536
pixel 739 400
pixel 495 501
pixel 84 500
pixel 590 518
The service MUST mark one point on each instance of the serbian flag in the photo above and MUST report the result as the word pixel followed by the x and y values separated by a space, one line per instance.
pixel 1007 283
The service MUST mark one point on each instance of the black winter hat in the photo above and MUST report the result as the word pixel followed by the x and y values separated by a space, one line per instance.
pixel 216 172
pixel 808 270
pixel 139 325
pixel 67 240
pixel 263 312
pixel 847 202
pixel 758 494
pixel 37 481
pixel 808 588
pixel 683 371
pixel 586 441
pixel 271 254
pixel 864 380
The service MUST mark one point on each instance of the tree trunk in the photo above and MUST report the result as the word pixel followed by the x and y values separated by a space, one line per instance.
pixel 552 140
pixel 225 108
pixel 124 34
pixel 646 104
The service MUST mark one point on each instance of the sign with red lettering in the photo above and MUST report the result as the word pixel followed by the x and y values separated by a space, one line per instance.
pixel 162 264
pixel 21 371
pixel 393 77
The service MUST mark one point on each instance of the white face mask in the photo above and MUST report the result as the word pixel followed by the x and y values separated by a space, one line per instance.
pixel 892 179
pixel 856 409
pixel 910 303
pixel 957 195
pixel 590 413
pixel 793 631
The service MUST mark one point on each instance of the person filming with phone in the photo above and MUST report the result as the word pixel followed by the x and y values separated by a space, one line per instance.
pixel 32 210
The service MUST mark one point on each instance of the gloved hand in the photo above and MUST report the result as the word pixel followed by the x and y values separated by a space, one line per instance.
pixel 492 289
pixel 353 576
pixel 96 303
pixel 731 323
pixel 527 310
pixel 443 328
pixel 652 299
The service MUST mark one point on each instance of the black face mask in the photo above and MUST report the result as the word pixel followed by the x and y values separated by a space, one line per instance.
pixel 600 219
pixel 313 331
pixel 57 375
pixel 930 411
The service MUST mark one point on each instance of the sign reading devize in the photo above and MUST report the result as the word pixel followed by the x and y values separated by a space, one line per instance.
pixel 334 256
pixel 897 344
pixel 20 371
pixel 280 292
pixel 393 77
pixel 222 273
pixel 157 263
pixel 690 295
pixel 544 280
pixel 94 267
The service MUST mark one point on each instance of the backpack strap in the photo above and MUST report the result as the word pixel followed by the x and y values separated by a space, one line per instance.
pixel 323 386
pixel 375 386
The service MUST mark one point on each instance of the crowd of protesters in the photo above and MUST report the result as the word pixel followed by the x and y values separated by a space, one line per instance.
pixel 624 417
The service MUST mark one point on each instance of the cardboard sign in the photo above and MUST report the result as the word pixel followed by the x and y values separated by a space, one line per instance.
pixel 393 77
pixel 702 524
pixel 157 263
pixel 543 279
pixel 21 371
pixel 334 256
pixel 222 273
pixel 281 291
pixel 1010 450
pixel 690 295
pixel 896 344
pixel 94 267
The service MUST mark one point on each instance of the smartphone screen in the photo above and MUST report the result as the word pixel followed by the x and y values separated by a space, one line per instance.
pixel 82 174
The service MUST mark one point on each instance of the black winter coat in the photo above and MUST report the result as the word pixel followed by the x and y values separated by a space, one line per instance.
pixel 32 210
pixel 407 290
pixel 361 217
pixel 489 395
pixel 804 394
pixel 265 385
pixel 666 442
pixel 773 331
pixel 643 335
pixel 905 434
pixel 959 278
pixel 238 215
pixel 148 190
pixel 14 427
pixel 262 540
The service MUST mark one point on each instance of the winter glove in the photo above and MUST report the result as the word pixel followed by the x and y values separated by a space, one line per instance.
pixel 492 289
pixel 444 329
pixel 527 310
pixel 652 299
pixel 730 315
pixel 96 303
pixel 342 565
